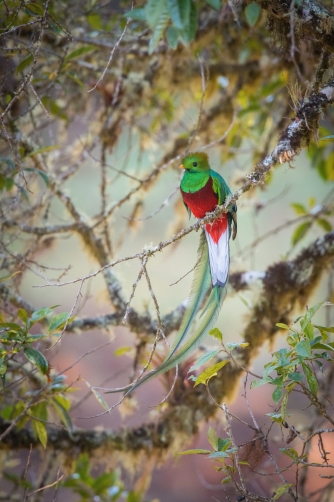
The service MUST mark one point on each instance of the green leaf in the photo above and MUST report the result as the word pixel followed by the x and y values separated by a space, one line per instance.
pixel 100 399
pixel 139 14
pixel 63 401
pixel 309 331
pixel 194 452
pixel 154 11
pixel 232 346
pixel 42 150
pixel 40 431
pixel 290 452
pixel 252 12
pixel 62 412
pixel 172 37
pixel 24 63
pixel 189 30
pixel 216 4
pixel 204 359
pixel 94 20
pixel 205 376
pixel 41 173
pixel 158 30
pixel 275 417
pixel 175 11
pixel 323 346
pixel 40 411
pixel 103 482
pixel 282 325
pixel 277 394
pixel 40 314
pixel 223 444
pixel 212 438
pixel 79 52
pixel 228 479
pixel 35 8
pixel 295 376
pixel 257 383
pixel 219 454
pixel 324 224
pixel 310 378
pixel 327 137
pixel 303 349
pixel 58 322
pixel 53 108
pixel 300 232
pixel 37 358
pixel 3 367
pixel 23 315
pixel 281 490
pixel 216 333
pixel 299 208
pixel 122 350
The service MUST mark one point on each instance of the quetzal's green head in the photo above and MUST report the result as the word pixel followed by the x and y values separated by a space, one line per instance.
pixel 195 162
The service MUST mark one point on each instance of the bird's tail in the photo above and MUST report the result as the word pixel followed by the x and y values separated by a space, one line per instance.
pixel 200 288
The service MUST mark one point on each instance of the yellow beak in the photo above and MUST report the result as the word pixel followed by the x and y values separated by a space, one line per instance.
pixel 181 166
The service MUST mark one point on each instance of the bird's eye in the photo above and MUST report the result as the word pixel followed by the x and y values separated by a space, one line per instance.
pixel 194 164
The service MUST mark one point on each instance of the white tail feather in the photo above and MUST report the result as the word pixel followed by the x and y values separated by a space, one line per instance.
pixel 219 257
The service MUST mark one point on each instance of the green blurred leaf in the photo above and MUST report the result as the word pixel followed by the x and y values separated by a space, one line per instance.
pixel 23 315
pixel 94 20
pixel 216 333
pixel 62 412
pixel 277 394
pixel 42 150
pixel 100 399
pixel 158 30
pixel 281 490
pixel 172 37
pixel 290 452
pixel 324 224
pixel 79 52
pixel 252 12
pixel 204 359
pixel 154 10
pixel 295 376
pixel 35 8
pixel 37 358
pixel 53 108
pixel 219 454
pixel 299 208
pixel 282 325
pixel 24 63
pixel 139 14
pixel 58 322
pixel 310 378
pixel 303 349
pixel 194 452
pixel 331 136
pixel 40 411
pixel 205 376
pixel 41 173
pixel 122 350
pixel 189 31
pixel 300 232
pixel 232 346
pixel 216 4
pixel 212 438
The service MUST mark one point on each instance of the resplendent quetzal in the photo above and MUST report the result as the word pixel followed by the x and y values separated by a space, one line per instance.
pixel 202 190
